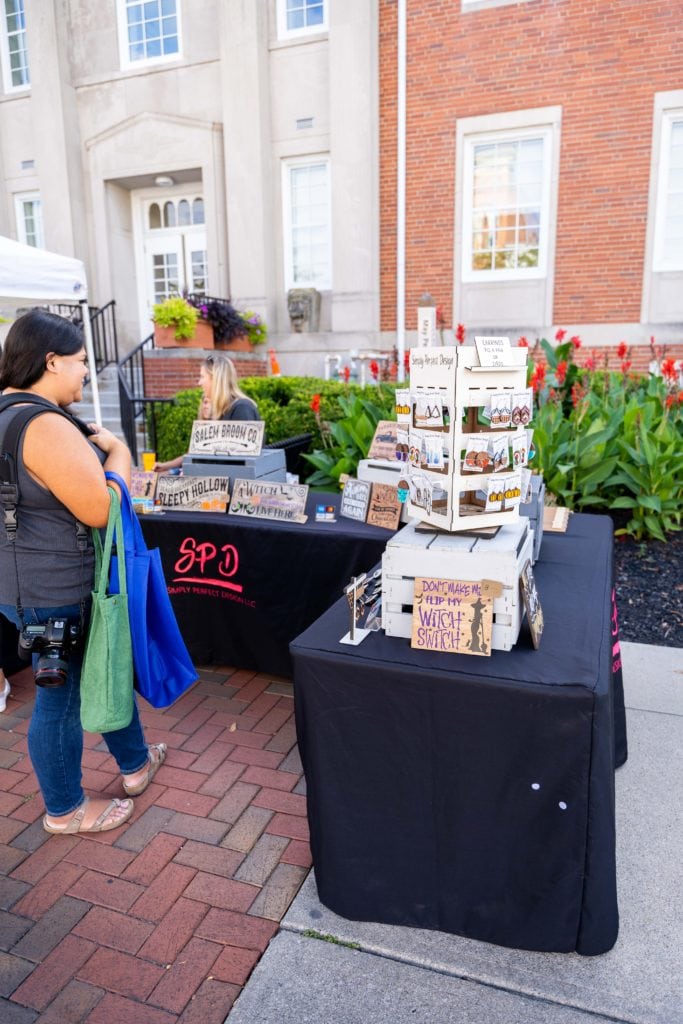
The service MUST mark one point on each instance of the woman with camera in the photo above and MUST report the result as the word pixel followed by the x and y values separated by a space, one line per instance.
pixel 47 565
pixel 222 398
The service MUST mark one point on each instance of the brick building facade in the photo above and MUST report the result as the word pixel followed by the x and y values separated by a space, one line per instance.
pixel 597 89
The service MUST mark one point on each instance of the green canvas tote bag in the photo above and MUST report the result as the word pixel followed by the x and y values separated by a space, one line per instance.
pixel 107 673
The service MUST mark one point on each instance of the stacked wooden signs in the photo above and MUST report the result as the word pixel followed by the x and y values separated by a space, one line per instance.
pixel 373 503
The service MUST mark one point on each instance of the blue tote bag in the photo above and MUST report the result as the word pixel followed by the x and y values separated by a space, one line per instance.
pixel 163 667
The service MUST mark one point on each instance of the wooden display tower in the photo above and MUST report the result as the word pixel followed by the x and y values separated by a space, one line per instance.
pixel 448 495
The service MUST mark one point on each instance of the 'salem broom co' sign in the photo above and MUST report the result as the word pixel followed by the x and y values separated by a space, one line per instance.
pixel 226 437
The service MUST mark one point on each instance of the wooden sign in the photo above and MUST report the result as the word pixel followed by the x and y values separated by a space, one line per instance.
pixel 455 616
pixel 142 484
pixel 426 326
pixel 493 351
pixel 355 499
pixel 532 604
pixel 384 442
pixel 226 437
pixel 194 493
pixel 260 499
pixel 555 519
pixel 385 507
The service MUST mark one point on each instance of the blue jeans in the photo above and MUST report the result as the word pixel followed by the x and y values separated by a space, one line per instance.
pixel 55 735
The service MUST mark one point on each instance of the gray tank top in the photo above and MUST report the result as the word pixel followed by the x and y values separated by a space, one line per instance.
pixel 52 570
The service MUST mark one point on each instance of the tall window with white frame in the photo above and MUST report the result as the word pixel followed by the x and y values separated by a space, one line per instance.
pixel 301 17
pixel 149 30
pixel 668 254
pixel 29 214
pixel 505 212
pixel 307 223
pixel 15 70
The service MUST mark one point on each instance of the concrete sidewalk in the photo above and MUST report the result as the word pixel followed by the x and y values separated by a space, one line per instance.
pixel 376 973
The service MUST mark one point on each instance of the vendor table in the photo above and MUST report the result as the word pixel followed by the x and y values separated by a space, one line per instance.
pixel 468 794
pixel 242 588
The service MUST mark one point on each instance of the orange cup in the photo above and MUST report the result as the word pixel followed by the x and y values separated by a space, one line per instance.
pixel 149 461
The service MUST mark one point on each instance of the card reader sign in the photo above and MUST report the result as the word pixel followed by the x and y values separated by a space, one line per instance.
pixel 226 437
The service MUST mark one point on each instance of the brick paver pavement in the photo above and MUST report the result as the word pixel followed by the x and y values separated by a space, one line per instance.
pixel 163 919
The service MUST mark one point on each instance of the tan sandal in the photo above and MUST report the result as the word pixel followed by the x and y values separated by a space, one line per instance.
pixel 156 755
pixel 100 824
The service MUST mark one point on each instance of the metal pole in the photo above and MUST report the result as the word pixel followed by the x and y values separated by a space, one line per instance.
pixel 401 192
pixel 90 350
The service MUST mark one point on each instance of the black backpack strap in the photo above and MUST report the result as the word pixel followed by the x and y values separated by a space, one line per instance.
pixel 9 455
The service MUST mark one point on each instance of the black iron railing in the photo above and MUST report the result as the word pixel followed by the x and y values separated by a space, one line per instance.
pixel 103 326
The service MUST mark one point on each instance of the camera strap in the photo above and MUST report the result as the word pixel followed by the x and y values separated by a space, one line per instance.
pixel 10 495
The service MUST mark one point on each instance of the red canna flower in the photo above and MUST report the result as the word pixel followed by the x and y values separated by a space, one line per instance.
pixel 460 333
pixel 538 377
pixel 440 319
pixel 626 365
pixel 522 343
pixel 315 404
pixel 669 369
pixel 590 363
pixel 560 336
pixel 578 393
pixel 669 401
pixel 374 369
pixel 576 342
pixel 406 360
pixel 622 350
pixel 561 371
pixel 346 373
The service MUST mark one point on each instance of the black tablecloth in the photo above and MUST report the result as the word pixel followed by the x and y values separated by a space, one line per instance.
pixel 242 589
pixel 466 794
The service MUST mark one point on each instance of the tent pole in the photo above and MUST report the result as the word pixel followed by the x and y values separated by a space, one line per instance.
pixel 90 350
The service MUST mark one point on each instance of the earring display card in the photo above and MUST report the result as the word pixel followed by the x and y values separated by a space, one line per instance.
pixel 500 453
pixel 477 457
pixel 428 410
pixel 521 408
pixel 520 454
pixel 501 410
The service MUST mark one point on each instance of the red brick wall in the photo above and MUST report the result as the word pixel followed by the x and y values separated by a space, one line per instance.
pixel 168 371
pixel 602 62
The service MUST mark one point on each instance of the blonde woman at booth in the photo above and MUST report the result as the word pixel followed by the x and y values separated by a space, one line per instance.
pixel 222 398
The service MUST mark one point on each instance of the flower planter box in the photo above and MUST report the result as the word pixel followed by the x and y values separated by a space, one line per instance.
pixel 164 337
pixel 239 344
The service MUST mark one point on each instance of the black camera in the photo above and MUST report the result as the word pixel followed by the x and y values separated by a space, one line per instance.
pixel 53 641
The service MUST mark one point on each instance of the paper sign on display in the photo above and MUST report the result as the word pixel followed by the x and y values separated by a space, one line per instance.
pixel 385 506
pixel 194 493
pixel 261 500
pixel 452 615
pixel 532 604
pixel 384 442
pixel 493 351
pixel 226 437
pixel 355 499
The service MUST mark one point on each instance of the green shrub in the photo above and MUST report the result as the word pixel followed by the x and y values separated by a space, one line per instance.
pixel 609 441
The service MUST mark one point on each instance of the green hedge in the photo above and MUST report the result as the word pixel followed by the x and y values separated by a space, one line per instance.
pixel 283 402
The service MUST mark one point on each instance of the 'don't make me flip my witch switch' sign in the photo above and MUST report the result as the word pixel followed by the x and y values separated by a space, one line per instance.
pixel 455 616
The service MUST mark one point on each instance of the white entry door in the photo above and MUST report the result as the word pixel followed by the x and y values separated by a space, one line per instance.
pixel 172 248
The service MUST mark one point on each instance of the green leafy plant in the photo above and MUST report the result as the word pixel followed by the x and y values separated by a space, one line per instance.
pixel 349 441
pixel 612 442
pixel 176 312
pixel 284 404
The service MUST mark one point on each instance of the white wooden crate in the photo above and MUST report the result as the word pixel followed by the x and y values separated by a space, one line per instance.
pixel 412 553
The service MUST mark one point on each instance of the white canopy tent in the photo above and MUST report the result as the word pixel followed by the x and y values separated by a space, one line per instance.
pixel 29 273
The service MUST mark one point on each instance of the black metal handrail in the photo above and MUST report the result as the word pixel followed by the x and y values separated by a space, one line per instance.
pixel 132 398
pixel 103 326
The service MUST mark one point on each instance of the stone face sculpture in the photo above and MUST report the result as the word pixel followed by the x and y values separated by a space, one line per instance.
pixel 303 305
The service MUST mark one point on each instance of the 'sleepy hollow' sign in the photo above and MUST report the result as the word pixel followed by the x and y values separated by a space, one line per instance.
pixel 226 437
pixel 194 493
pixel 269 500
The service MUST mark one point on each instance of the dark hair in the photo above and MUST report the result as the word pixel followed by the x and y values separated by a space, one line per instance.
pixel 28 342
